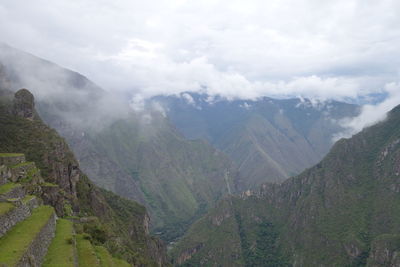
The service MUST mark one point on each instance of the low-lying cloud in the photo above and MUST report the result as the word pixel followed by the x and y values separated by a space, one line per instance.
pixel 342 50
pixel 371 114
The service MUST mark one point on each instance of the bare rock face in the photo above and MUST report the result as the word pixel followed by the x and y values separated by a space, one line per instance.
pixel 24 104
pixel 385 251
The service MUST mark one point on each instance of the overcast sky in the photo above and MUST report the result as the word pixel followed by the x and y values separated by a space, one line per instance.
pixel 310 48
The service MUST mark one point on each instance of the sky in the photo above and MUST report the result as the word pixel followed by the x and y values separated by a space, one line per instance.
pixel 343 49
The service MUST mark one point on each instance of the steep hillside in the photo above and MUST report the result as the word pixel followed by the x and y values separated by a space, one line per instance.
pixel 345 211
pixel 138 155
pixel 119 225
pixel 268 139
pixel 180 179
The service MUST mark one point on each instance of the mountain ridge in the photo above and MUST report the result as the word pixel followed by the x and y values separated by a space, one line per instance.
pixel 341 212
pixel 120 225
pixel 269 139
pixel 137 154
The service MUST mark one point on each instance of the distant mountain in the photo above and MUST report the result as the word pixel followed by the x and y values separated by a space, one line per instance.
pixel 138 155
pixel 344 211
pixel 268 139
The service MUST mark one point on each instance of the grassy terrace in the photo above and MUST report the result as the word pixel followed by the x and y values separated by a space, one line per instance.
pixel 61 250
pixel 27 163
pixel 120 263
pixel 86 253
pixel 105 258
pixel 5 207
pixel 5 155
pixel 49 184
pixel 15 242
pixel 5 188
pixel 27 198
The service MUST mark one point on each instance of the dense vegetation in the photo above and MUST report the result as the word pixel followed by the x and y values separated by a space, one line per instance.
pixel 342 212
pixel 269 139
pixel 108 220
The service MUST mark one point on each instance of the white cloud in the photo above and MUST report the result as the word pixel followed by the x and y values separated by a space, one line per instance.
pixel 188 98
pixel 371 114
pixel 239 49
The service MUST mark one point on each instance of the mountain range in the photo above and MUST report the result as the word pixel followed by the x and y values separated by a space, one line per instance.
pixel 344 211
pixel 177 155
pixel 268 139
pixel 227 182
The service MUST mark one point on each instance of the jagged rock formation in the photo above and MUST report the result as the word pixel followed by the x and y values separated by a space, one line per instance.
pixel 345 211
pixel 53 177
pixel 24 104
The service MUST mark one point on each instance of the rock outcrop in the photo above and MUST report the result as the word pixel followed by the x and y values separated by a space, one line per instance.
pixel 56 178
pixel 24 104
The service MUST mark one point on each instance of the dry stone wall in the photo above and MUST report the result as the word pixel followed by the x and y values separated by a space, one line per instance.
pixel 37 250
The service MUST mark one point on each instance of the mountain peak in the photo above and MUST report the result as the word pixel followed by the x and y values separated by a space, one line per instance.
pixel 24 104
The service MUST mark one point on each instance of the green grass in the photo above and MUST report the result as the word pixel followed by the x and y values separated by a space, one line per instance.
pixel 5 188
pixel 27 198
pixel 21 164
pixel 30 174
pixel 61 250
pixel 5 207
pixel 104 256
pixel 120 263
pixel 106 260
pixel 15 242
pixel 48 184
pixel 86 253
pixel 5 155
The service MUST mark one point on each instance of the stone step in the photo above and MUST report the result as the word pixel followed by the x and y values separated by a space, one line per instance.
pixel 11 190
pixel 27 242
pixel 86 253
pixel 15 211
pixel 10 159
pixel 62 249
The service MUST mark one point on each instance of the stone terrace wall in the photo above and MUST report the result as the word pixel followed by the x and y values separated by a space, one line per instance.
pixel 37 250
pixel 21 172
pixel 5 174
pixel 12 160
pixel 19 213
pixel 16 192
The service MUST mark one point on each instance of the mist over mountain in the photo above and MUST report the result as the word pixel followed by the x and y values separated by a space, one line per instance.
pixel 137 154
pixel 182 133
pixel 268 139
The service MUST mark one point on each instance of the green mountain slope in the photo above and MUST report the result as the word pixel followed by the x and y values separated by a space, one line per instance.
pixel 108 220
pixel 180 179
pixel 138 155
pixel 268 139
pixel 345 211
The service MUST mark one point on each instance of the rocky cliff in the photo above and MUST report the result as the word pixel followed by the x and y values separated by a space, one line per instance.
pixel 118 224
